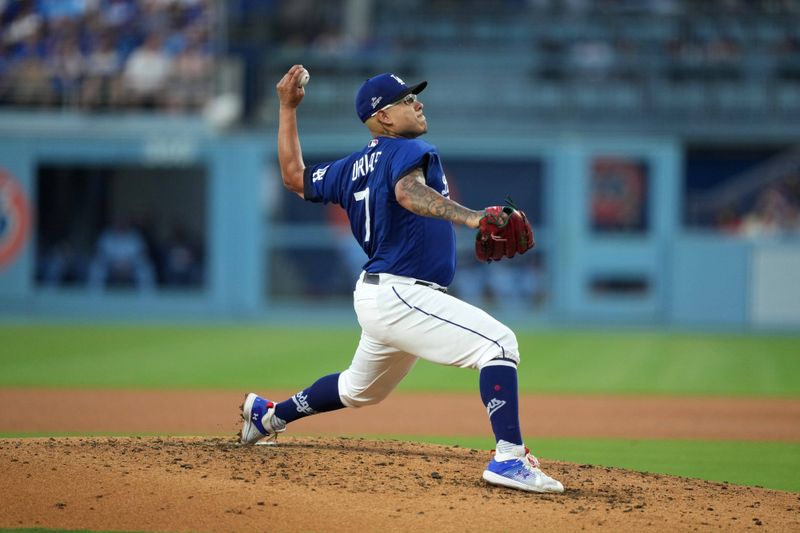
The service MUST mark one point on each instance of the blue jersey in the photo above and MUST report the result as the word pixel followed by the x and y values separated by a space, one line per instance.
pixel 395 240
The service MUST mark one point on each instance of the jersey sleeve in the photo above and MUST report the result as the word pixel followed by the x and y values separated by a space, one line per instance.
pixel 414 154
pixel 320 182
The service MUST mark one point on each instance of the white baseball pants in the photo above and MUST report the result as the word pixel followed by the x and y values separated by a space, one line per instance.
pixel 401 322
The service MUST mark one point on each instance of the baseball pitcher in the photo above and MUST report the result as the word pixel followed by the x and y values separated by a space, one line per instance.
pixel 396 197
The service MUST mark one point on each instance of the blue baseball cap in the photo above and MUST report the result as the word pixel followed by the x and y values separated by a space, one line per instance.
pixel 382 90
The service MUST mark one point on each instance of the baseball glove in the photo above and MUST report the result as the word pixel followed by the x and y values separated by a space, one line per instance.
pixel 504 231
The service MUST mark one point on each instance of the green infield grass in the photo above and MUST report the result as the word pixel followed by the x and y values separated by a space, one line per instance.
pixel 772 465
pixel 236 357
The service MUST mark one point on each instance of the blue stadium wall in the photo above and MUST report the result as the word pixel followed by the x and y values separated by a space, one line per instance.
pixel 687 278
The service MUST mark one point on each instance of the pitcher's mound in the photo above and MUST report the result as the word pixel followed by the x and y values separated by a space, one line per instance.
pixel 306 484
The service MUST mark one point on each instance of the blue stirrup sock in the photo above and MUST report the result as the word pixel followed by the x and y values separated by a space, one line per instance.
pixel 320 397
pixel 498 384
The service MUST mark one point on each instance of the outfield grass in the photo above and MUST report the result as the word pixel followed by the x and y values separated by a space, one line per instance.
pixel 237 357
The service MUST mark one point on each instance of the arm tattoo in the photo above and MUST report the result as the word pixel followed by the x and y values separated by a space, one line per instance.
pixel 426 202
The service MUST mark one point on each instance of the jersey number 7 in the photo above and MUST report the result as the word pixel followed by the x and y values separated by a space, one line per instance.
pixel 364 195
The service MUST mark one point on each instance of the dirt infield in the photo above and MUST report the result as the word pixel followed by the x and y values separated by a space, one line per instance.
pixel 337 484
pixel 332 483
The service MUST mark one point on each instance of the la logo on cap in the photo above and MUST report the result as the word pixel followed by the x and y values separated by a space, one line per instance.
pixel 401 82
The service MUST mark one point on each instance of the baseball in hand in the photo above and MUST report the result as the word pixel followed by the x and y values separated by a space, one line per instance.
pixel 304 77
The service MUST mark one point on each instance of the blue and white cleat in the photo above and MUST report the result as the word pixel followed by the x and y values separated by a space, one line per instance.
pixel 522 473
pixel 258 414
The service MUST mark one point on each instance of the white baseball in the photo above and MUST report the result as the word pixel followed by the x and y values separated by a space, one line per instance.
pixel 304 77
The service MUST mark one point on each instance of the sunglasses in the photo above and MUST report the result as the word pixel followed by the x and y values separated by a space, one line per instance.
pixel 409 99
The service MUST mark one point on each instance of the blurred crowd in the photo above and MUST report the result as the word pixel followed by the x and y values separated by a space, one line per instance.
pixel 126 254
pixel 611 7
pixel 96 54
pixel 100 54
pixel 673 40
